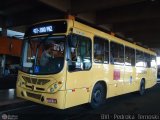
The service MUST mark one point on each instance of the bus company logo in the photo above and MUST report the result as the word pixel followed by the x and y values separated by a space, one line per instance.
pixel 9 117
pixel 4 117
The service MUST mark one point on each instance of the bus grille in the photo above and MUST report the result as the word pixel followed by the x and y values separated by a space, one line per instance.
pixel 32 95
pixel 35 81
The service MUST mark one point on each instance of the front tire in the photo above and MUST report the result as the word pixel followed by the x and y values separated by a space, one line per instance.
pixel 98 96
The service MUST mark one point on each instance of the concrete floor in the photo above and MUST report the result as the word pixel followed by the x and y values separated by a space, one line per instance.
pixel 8 82
pixel 8 97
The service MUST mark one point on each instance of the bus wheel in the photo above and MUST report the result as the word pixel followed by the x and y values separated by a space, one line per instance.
pixel 142 88
pixel 98 95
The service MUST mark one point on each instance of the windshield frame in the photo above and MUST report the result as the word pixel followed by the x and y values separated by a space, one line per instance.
pixel 46 37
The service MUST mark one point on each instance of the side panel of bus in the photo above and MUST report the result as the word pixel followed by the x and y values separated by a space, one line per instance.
pixel 129 79
pixel 79 80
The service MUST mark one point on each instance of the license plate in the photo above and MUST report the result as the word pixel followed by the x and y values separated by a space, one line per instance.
pixel 51 100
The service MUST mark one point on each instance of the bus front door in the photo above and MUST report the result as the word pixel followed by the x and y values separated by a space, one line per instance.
pixel 77 87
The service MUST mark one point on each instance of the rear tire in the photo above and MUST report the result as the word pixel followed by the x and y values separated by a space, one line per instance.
pixel 142 88
pixel 98 96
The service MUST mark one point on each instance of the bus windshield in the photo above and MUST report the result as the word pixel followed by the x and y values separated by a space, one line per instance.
pixel 43 55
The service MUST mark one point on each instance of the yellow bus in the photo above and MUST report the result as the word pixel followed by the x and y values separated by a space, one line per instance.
pixel 66 63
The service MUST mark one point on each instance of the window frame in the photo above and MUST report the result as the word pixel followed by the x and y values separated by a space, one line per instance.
pixel 123 53
pixel 151 56
pixel 23 53
pixel 134 56
pixel 68 52
pixel 148 55
pixel 104 40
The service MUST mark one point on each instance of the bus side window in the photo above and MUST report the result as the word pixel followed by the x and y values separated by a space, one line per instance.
pixel 101 50
pixel 147 60
pixel 106 52
pixel 153 61
pixel 117 53
pixel 98 50
pixel 84 52
pixel 129 56
pixel 139 58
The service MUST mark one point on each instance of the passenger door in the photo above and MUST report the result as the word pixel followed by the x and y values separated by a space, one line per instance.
pixel 79 73
pixel 79 63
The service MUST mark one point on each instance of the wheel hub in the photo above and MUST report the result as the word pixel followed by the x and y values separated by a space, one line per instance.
pixel 97 96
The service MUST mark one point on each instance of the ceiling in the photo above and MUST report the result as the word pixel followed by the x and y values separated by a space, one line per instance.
pixel 133 20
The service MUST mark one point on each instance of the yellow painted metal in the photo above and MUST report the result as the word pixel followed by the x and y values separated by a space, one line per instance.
pixel 59 96
pixel 76 87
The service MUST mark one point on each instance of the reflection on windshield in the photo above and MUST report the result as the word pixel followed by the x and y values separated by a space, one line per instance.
pixel 43 55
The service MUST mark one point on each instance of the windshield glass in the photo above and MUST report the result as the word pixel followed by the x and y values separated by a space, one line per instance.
pixel 43 55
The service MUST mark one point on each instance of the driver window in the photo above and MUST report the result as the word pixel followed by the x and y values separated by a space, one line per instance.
pixel 80 52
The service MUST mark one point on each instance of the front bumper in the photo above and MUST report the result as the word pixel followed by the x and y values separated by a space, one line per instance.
pixel 56 100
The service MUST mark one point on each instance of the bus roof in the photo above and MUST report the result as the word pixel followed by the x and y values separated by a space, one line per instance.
pixel 110 37
pixel 96 32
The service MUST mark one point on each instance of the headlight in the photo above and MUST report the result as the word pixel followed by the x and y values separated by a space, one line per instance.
pixel 53 88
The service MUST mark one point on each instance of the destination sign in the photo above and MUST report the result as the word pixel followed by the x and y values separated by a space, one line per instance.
pixel 47 28
pixel 44 29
